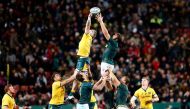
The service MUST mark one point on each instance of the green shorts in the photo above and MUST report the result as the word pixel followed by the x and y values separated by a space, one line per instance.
pixel 92 105
pixel 51 106
pixel 81 62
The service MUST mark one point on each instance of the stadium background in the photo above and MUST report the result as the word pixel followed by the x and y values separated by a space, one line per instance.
pixel 38 37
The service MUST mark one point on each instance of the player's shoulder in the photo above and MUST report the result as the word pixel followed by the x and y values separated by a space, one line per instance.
pixel 86 35
pixel 151 89
pixel 5 97
pixel 138 90
pixel 56 83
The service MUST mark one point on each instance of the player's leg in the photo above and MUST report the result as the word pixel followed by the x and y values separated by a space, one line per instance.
pixel 73 91
pixel 80 63
pixel 122 107
pixel 53 106
pixel 104 67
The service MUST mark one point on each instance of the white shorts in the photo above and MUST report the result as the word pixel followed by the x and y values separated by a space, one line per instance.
pixel 104 67
pixel 122 107
pixel 82 106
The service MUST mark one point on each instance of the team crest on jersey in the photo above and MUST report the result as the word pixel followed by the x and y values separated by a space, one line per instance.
pixel 149 92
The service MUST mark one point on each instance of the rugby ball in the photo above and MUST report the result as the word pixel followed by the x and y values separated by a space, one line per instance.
pixel 95 10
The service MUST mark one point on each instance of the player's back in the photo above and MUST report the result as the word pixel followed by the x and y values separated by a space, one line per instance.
pixel 122 93
pixel 84 45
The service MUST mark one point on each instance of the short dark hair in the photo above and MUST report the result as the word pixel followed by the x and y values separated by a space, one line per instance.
pixel 7 87
pixel 52 77
pixel 147 78
pixel 118 36
pixel 79 77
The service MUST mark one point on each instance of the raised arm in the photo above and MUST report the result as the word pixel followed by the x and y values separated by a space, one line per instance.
pixel 103 27
pixel 70 79
pixel 100 84
pixel 89 73
pixel 88 24
pixel 109 85
pixel 115 81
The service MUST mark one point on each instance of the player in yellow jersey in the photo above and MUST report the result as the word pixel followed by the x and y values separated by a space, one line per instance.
pixel 85 45
pixel 84 51
pixel 145 95
pixel 8 101
pixel 58 90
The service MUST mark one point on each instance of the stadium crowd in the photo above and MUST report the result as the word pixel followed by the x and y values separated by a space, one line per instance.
pixel 40 37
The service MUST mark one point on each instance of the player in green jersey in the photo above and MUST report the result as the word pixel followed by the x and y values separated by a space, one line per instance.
pixel 111 47
pixel 86 89
pixel 122 91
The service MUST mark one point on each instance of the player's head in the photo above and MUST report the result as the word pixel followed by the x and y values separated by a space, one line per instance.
pixel 116 36
pixel 56 76
pixel 93 33
pixel 145 81
pixel 9 89
pixel 124 80
pixel 83 75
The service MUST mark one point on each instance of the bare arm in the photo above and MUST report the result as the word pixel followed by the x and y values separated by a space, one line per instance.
pixel 5 107
pixel 155 98
pixel 132 101
pixel 75 86
pixel 99 85
pixel 109 85
pixel 115 81
pixel 70 79
pixel 103 27
pixel 89 73
pixel 88 24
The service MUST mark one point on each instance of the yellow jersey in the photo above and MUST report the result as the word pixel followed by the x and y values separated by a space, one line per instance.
pixel 93 98
pixel 84 45
pixel 8 101
pixel 58 93
pixel 145 95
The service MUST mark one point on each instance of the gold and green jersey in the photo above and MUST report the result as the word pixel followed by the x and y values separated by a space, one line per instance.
pixel 85 92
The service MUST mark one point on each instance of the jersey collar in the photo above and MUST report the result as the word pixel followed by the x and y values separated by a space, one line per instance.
pixel 144 89
pixel 9 95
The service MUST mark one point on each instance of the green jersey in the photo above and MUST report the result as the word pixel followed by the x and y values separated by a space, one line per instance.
pixel 121 95
pixel 110 52
pixel 85 92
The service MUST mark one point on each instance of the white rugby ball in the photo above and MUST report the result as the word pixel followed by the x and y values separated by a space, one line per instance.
pixel 95 10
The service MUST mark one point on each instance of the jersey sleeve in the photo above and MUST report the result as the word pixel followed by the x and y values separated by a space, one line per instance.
pixel 153 92
pixel 5 102
pixel 57 84
pixel 86 35
pixel 136 94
